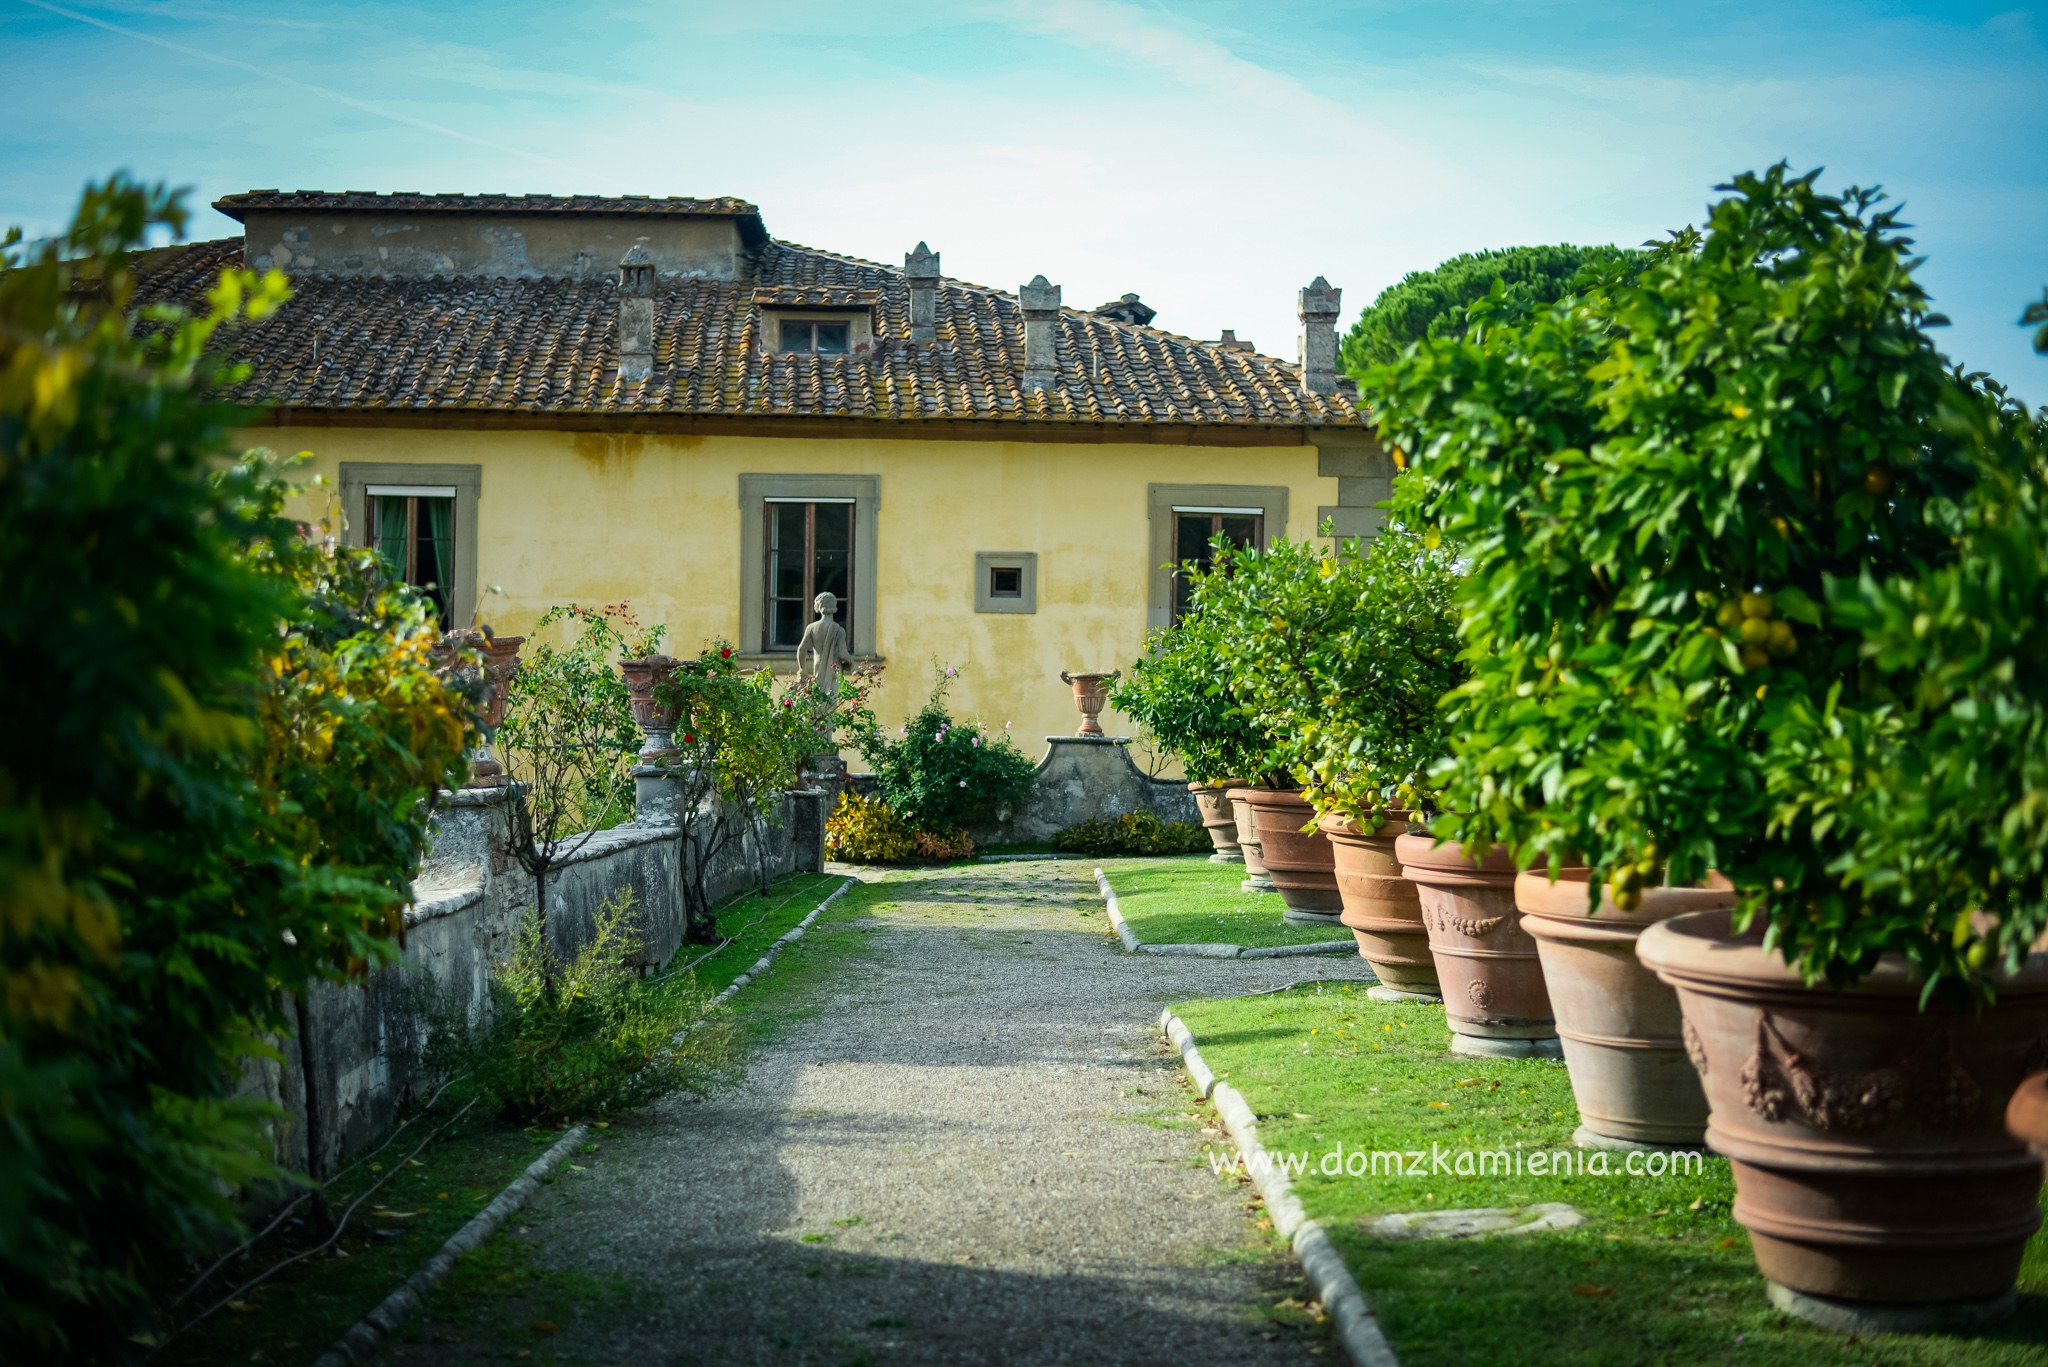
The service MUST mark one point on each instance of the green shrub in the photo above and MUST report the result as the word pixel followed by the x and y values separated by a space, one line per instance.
pixel 863 830
pixel 1665 490
pixel 1185 703
pixel 214 782
pixel 940 775
pixel 566 1041
pixel 1133 833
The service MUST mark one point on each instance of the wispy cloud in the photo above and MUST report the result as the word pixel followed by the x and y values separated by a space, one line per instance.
pixel 380 109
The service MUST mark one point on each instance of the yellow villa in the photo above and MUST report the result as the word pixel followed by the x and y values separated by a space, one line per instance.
pixel 583 399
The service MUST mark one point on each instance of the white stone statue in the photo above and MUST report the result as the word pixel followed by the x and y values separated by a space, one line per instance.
pixel 822 652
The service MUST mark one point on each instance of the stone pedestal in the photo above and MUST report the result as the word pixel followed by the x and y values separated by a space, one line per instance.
pixel 1086 778
pixel 658 794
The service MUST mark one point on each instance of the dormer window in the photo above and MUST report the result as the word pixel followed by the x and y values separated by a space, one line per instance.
pixel 805 336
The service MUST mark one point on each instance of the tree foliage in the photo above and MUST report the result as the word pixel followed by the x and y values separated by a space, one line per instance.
pixel 740 746
pixel 220 740
pixel 568 737
pixel 1187 705
pixel 1435 303
pixel 1666 489
pixel 1344 659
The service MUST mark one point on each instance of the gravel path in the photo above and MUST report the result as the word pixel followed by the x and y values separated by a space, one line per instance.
pixel 941 1154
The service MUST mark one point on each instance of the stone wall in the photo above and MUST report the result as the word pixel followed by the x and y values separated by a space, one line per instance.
pixel 1086 778
pixel 469 900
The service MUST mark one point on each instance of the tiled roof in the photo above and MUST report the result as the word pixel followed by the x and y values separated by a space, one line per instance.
pixel 539 346
pixel 413 201
pixel 815 297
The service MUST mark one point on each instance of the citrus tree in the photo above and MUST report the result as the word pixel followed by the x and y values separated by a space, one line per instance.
pixel 1344 659
pixel 1179 693
pixel 1662 488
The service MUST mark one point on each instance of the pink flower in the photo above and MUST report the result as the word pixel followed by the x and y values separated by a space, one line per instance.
pixel 963 783
pixel 951 672
pixel 977 742
pixel 1006 726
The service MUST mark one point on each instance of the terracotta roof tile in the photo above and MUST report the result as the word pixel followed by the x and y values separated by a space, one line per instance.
pixel 549 346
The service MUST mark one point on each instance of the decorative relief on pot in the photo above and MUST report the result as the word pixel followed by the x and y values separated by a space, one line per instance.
pixel 1480 993
pixel 1779 1083
pixel 1478 927
pixel 1694 1049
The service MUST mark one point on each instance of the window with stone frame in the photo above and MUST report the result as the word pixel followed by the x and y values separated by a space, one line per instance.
pixel 1194 536
pixel 809 544
pixel 413 529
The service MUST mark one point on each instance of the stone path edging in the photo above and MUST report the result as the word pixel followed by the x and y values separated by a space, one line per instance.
pixel 1356 1326
pixel 788 937
pixel 1132 945
pixel 363 1337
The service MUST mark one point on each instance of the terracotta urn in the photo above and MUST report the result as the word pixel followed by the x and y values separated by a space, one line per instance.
pixel 2026 1115
pixel 1486 963
pixel 500 661
pixel 1297 857
pixel 1381 907
pixel 1619 1025
pixel 1213 805
pixel 1256 879
pixel 1091 691
pixel 657 720
pixel 1873 1168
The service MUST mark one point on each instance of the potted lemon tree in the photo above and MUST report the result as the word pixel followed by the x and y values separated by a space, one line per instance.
pixel 1723 524
pixel 1343 654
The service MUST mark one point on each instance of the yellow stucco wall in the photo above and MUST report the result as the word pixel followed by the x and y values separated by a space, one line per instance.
pixel 655 520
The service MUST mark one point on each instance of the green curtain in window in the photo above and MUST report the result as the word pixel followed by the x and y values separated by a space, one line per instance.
pixel 440 516
pixel 387 531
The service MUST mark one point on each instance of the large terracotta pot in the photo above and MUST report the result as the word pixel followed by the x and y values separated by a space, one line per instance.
pixel 1212 802
pixel 2026 1116
pixel 1256 877
pixel 1871 1163
pixel 656 720
pixel 500 662
pixel 1381 907
pixel 1297 860
pixel 1485 962
pixel 1620 1026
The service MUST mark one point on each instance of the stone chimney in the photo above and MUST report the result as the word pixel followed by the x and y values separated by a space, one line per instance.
pixel 636 313
pixel 1230 341
pixel 1041 302
pixel 1318 304
pixel 921 269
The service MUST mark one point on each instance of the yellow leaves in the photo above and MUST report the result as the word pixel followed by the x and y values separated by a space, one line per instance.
pixel 43 992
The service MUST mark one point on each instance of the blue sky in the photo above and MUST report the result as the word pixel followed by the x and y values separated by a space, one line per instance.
pixel 1212 156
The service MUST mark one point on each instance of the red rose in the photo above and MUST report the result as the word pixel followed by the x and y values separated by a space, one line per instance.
pixel 689 739
pixel 725 652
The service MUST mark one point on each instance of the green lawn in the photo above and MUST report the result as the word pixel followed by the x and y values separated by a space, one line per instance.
pixel 1659 1274
pixel 755 922
pixel 1186 900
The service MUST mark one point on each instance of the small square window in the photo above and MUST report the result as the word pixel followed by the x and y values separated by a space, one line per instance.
pixel 1005 581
